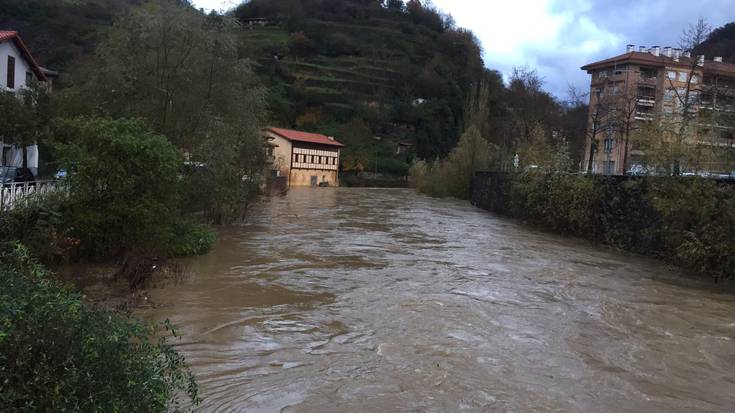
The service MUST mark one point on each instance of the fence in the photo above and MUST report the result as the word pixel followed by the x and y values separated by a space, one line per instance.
pixel 13 194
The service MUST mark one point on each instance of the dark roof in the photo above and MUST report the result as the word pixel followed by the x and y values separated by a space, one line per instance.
pixel 299 136
pixel 6 35
pixel 648 59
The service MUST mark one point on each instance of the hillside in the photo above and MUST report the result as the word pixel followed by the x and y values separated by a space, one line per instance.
pixel 721 42
pixel 59 32
pixel 356 70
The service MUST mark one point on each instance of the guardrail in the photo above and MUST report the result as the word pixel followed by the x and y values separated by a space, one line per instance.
pixel 13 194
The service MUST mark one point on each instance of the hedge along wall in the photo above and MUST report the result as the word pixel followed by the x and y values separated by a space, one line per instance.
pixel 687 221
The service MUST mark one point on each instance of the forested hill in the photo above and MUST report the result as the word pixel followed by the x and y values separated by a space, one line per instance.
pixel 721 42
pixel 357 69
pixel 59 32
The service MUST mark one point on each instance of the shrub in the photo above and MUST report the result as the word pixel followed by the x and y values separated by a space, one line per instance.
pixel 191 239
pixel 58 354
pixel 124 189
pixel 38 223
pixel 690 222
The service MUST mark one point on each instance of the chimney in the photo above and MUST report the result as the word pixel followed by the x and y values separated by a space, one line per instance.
pixel 687 54
pixel 656 50
pixel 642 49
pixel 677 54
pixel 700 60
pixel 630 48
pixel 667 51
pixel 718 59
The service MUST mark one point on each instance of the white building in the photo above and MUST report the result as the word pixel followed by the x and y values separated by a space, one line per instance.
pixel 17 70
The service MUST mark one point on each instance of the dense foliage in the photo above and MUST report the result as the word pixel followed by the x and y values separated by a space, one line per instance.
pixel 179 71
pixel 60 32
pixel 123 185
pixel 58 354
pixel 721 42
pixel 402 72
pixel 653 216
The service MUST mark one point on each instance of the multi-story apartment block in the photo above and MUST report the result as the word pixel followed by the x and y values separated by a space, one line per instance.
pixel 655 85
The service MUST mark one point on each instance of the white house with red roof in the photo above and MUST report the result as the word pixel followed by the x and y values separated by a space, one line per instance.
pixel 304 158
pixel 18 69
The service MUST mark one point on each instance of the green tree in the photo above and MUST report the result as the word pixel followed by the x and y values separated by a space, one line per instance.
pixel 123 185
pixel 180 72
pixel 24 118
pixel 59 354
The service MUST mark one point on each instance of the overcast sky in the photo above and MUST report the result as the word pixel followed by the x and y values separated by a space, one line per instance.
pixel 556 37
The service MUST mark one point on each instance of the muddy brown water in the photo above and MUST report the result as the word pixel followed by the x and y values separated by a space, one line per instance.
pixel 379 300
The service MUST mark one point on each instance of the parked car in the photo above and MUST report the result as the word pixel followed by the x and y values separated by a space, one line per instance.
pixel 15 174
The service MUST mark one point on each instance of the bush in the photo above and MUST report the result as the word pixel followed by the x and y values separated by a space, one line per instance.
pixel 124 187
pixel 38 224
pixel 690 222
pixel 452 176
pixel 58 354
pixel 191 239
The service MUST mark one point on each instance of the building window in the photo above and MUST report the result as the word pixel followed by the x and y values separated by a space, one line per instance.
pixel 608 145
pixel 672 75
pixel 602 74
pixel 683 76
pixel 11 73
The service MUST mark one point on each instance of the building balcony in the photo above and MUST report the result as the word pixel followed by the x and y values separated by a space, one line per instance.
pixel 646 101
pixel 644 116
pixel 648 80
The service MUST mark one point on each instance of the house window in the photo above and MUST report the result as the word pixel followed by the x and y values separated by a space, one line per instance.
pixel 11 73
pixel 608 145
pixel 672 75
pixel 602 74
pixel 683 76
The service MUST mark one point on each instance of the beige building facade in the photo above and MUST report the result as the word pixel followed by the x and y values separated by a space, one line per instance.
pixel 305 159
pixel 652 85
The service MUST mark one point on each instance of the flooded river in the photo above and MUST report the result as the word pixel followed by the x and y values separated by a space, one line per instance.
pixel 372 300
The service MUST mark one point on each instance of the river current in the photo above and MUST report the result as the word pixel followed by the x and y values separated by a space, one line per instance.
pixel 382 300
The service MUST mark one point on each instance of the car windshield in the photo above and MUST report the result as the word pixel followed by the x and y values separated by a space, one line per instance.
pixel 7 173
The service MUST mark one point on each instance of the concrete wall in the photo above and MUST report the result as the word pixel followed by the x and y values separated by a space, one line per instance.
pixel 302 177
pixel 281 155
pixel 8 48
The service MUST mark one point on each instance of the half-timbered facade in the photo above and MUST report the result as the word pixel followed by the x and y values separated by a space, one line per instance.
pixel 306 159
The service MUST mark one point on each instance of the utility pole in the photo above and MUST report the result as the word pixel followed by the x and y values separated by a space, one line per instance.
pixel 378 139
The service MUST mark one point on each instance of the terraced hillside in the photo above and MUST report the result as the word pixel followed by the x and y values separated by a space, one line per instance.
pixel 357 70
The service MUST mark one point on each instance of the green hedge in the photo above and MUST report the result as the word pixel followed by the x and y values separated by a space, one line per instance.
pixel 688 221
pixel 58 354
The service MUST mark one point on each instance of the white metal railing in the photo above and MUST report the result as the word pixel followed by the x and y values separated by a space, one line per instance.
pixel 13 194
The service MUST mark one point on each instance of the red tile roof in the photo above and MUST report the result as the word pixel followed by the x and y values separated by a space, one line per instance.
pixel 662 60
pixel 299 136
pixel 6 35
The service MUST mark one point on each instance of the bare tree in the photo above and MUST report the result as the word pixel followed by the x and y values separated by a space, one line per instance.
pixel 601 109
pixel 687 97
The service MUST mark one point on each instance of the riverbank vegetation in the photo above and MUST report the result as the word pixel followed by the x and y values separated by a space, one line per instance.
pixel 59 354
pixel 686 221
pixel 504 130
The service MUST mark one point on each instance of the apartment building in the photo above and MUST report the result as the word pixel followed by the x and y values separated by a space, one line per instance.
pixel 655 85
